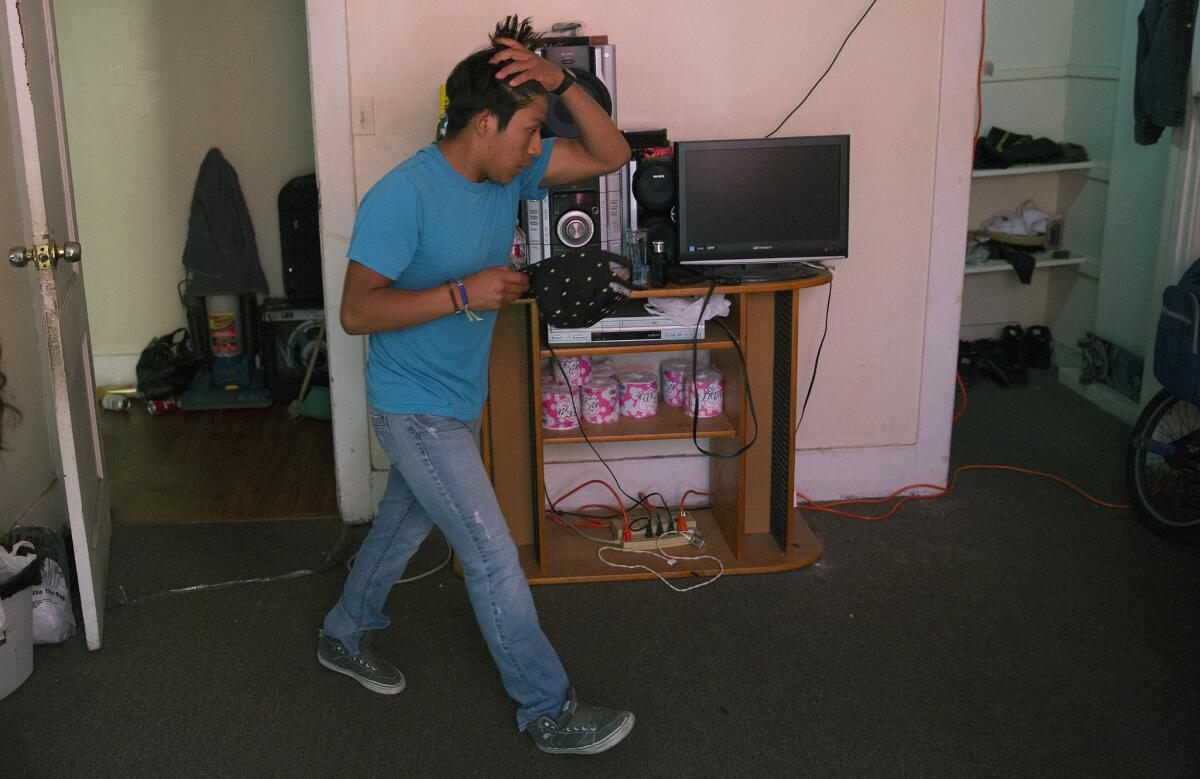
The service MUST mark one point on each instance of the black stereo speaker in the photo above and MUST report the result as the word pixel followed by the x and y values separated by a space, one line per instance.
pixel 654 190
pixel 289 335
pixel 595 69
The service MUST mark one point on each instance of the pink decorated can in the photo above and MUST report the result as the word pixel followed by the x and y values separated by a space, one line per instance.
pixel 576 369
pixel 704 396
pixel 559 406
pixel 673 372
pixel 601 401
pixel 603 367
pixel 639 395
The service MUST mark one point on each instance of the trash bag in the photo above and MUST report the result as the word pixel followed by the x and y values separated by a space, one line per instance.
pixel 167 366
pixel 53 614
pixel 17 572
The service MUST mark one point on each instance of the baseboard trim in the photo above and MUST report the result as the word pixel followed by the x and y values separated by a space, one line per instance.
pixel 1107 398
pixel 821 474
pixel 834 474
pixel 115 370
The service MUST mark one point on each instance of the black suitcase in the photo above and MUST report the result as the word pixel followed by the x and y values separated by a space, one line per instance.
pixel 300 240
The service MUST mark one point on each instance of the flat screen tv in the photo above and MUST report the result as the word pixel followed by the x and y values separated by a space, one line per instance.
pixel 748 204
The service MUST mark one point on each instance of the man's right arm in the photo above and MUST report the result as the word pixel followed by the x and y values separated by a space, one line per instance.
pixel 371 305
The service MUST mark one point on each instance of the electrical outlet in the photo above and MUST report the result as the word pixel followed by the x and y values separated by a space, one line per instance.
pixel 989 69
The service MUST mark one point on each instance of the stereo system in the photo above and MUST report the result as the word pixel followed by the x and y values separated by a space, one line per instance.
pixel 589 212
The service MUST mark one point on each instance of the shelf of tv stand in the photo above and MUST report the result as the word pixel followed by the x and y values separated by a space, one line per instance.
pixel 668 423
pixel 573 560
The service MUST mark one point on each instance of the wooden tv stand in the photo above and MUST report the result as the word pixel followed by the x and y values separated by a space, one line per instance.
pixel 751 525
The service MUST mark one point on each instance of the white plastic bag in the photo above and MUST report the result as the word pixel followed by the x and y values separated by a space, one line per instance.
pixel 11 564
pixel 685 311
pixel 53 618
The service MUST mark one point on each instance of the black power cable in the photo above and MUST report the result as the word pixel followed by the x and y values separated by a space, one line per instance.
pixel 826 73
pixel 816 362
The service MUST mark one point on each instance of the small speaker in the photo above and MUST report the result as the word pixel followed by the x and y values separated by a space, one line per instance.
pixel 653 195
pixel 654 186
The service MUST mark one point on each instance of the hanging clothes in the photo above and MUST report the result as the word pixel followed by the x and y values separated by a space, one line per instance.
pixel 1164 56
pixel 221 253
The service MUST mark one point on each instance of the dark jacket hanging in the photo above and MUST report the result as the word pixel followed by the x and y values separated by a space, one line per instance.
pixel 221 253
pixel 1164 56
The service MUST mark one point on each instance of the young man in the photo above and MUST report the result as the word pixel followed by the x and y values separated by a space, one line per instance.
pixel 427 272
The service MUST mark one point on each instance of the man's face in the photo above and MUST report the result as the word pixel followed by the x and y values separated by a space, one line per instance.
pixel 514 148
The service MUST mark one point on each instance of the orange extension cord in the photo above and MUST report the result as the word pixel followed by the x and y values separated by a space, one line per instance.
pixel 939 492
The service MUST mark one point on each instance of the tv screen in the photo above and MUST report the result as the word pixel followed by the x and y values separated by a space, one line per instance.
pixel 768 200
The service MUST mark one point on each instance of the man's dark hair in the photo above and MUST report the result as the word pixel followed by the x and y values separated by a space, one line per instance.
pixel 473 87
pixel 5 407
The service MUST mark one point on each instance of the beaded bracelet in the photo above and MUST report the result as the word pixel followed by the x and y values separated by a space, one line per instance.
pixel 466 303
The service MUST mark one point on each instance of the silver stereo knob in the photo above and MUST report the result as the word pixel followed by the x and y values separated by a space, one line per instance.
pixel 575 229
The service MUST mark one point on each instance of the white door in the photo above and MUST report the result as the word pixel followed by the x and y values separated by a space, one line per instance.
pixel 30 71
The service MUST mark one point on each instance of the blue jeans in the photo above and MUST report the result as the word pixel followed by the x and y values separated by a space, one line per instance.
pixel 438 478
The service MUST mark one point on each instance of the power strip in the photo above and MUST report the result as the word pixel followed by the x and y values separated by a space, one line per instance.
pixel 639 540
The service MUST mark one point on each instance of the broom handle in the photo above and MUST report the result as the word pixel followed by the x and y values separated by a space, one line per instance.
pixel 312 361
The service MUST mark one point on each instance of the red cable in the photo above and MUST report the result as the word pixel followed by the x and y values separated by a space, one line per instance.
pixel 682 524
pixel 979 81
pixel 627 534
pixel 963 408
pixel 940 492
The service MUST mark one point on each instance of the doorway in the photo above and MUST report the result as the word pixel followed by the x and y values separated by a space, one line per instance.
pixel 148 89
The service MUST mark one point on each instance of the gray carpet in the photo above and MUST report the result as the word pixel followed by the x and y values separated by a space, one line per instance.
pixel 1009 629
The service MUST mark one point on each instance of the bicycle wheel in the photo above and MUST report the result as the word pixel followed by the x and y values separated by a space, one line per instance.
pixel 1163 467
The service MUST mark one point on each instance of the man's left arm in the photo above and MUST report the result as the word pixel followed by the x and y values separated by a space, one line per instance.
pixel 600 147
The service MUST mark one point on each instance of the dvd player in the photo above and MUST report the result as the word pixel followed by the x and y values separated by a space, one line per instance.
pixel 631 323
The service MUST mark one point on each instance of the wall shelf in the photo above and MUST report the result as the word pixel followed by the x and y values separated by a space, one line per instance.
pixel 1041 260
pixel 1024 170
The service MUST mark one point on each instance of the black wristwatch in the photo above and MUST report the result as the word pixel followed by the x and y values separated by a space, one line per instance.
pixel 568 80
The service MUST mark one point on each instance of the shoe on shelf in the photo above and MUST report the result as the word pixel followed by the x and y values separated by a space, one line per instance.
pixel 580 729
pixel 366 667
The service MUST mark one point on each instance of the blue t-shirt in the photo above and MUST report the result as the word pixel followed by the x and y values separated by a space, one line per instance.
pixel 421 225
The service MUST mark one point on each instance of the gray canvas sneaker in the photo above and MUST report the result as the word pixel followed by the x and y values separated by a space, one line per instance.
pixel 367 667
pixel 580 729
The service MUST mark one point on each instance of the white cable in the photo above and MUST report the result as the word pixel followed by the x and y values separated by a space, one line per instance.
pixel 430 572
pixel 662 554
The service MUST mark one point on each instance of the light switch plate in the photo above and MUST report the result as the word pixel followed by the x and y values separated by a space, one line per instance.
pixel 362 115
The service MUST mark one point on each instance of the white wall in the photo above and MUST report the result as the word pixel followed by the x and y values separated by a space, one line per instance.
pixel 149 87
pixel 26 465
pixel 703 71
pixel 1127 301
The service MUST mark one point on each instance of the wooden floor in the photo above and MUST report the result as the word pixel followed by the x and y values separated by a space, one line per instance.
pixel 217 466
